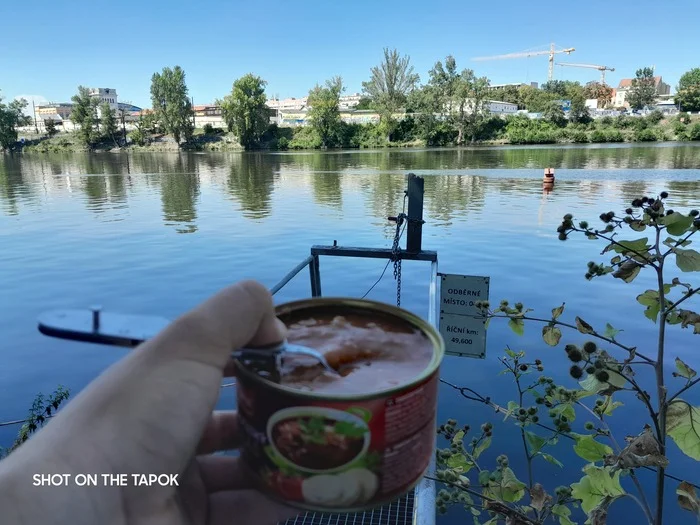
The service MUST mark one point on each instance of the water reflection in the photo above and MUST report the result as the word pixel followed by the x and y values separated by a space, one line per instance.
pixel 251 182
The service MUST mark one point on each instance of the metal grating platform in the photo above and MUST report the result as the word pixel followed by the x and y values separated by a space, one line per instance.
pixel 400 512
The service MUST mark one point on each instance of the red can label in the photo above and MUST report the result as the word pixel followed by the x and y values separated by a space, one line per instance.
pixel 340 456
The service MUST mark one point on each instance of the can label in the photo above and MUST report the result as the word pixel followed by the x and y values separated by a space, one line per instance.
pixel 348 455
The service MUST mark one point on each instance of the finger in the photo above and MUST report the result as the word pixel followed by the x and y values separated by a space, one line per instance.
pixel 249 508
pixel 224 473
pixel 220 433
pixel 242 314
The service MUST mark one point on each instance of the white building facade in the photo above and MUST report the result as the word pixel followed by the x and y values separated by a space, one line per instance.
pixel 107 95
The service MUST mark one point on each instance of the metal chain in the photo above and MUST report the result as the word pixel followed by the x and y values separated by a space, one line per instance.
pixel 396 256
pixel 396 250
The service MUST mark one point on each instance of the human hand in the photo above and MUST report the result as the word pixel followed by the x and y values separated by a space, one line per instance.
pixel 152 413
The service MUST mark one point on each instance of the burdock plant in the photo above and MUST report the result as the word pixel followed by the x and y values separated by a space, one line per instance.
pixel 604 369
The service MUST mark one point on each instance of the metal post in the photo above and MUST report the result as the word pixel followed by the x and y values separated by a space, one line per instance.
pixel 414 230
pixel 315 274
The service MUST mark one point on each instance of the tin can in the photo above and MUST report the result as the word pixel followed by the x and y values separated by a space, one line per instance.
pixel 388 435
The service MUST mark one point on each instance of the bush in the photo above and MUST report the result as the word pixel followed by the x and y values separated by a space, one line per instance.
pixel 655 117
pixel 694 132
pixel 208 129
pixel 614 135
pixel 283 143
pixel 607 121
pixel 624 121
pixel 598 136
pixel 579 136
pixel 305 137
pixel 138 137
pixel 645 135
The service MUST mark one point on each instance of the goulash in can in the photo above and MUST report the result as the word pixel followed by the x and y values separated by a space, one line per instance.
pixel 349 442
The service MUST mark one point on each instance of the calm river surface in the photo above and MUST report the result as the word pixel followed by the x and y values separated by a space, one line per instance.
pixel 158 233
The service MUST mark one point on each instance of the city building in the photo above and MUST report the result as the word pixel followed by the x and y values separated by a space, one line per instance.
pixel 497 107
pixel 516 85
pixel 56 111
pixel 207 110
pixel 620 95
pixel 107 95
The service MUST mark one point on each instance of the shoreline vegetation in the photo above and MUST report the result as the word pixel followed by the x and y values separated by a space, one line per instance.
pixel 511 131
pixel 453 108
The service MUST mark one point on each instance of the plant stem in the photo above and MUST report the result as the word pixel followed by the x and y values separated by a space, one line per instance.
pixel 691 384
pixel 687 295
pixel 618 450
pixel 661 389
pixel 528 457
pixel 567 325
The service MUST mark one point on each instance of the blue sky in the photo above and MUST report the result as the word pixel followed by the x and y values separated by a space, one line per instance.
pixel 57 45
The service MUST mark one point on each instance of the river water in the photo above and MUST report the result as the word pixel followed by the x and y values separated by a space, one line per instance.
pixel 158 233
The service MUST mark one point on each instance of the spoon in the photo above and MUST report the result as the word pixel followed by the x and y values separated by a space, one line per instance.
pixel 283 348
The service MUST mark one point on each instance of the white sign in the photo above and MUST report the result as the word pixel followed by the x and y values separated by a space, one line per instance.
pixel 461 325
pixel 464 335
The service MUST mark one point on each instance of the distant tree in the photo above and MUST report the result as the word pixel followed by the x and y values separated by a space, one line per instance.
pixel 171 103
pixel 324 113
pixel 108 121
pixel 599 91
pixel 643 90
pixel 84 115
pixel 688 90
pixel 556 87
pixel 50 127
pixel 474 104
pixel 536 100
pixel 458 96
pixel 389 86
pixel 578 112
pixel 364 103
pixel 509 94
pixel 554 113
pixel 12 117
pixel 245 111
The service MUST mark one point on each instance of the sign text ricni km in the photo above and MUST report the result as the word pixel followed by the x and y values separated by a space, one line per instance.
pixel 461 323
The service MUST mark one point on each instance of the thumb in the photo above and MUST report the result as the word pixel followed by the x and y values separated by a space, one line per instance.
pixel 163 392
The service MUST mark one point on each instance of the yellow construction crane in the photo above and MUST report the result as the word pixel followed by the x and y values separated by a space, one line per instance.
pixel 551 52
pixel 602 69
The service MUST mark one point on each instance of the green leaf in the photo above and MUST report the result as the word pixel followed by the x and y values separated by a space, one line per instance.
pixel 673 243
pixel 565 409
pixel 683 426
pixel 589 449
pixel 485 443
pixel 552 460
pixel 459 461
pixel 517 325
pixel 687 260
pixel 677 223
pixel 611 332
pixel 551 335
pixel 512 407
pixel 583 326
pixel 458 437
pixel 684 370
pixel 512 489
pixel 484 478
pixel 638 245
pixel 615 260
pixel 596 486
pixel 556 312
pixel 536 442
pixel 610 405
pixel 628 270
pixel 562 512
pixel 650 299
pixel 637 225
pixel 510 353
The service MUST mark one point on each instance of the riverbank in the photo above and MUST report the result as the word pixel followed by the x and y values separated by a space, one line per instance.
pixel 409 133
